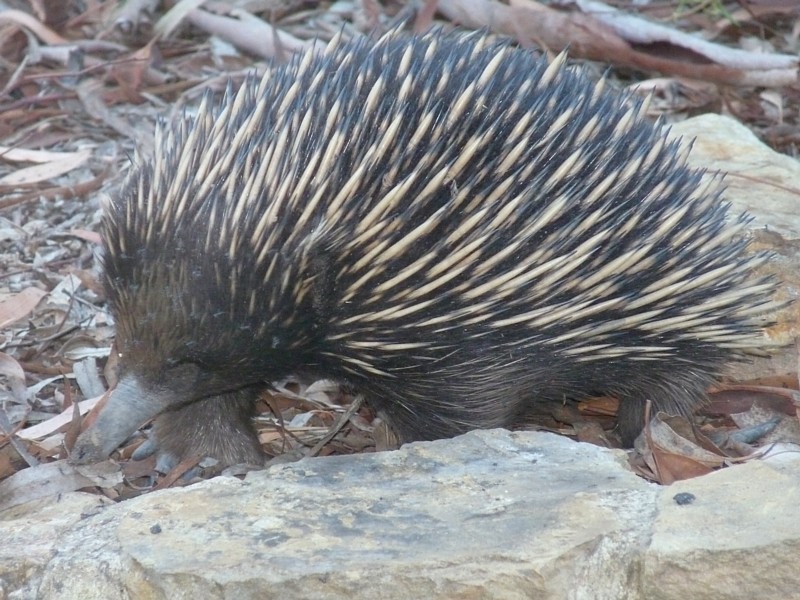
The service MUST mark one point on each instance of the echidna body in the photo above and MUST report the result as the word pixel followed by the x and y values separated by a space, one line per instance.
pixel 451 226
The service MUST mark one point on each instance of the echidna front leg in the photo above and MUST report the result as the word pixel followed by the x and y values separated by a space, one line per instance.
pixel 219 427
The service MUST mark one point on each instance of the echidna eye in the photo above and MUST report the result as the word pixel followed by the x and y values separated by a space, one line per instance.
pixel 185 370
pixel 176 364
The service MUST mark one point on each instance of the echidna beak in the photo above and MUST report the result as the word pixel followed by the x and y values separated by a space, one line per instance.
pixel 129 406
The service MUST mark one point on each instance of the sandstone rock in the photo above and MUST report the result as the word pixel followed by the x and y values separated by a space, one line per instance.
pixel 490 514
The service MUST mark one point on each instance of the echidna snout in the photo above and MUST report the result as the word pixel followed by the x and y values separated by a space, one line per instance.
pixel 449 225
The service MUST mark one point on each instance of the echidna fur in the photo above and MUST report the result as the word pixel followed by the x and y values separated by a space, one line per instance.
pixel 449 225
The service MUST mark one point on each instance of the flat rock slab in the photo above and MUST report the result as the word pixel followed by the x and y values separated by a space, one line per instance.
pixel 488 515
pixel 739 537
pixel 492 514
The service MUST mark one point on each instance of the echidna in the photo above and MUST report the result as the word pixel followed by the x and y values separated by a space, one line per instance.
pixel 447 224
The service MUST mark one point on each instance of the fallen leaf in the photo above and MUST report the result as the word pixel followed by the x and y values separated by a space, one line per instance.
pixel 19 305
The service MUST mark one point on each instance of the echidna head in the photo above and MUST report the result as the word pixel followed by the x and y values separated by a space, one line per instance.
pixel 186 329
pixel 166 336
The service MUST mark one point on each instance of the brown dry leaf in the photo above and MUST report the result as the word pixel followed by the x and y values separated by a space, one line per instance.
pixel 67 191
pixel 19 305
pixel 6 462
pixel 177 472
pixel 15 377
pixel 56 423
pixel 671 467
pixel 10 368
pixel 136 469
pixel 13 154
pixel 62 162
pixel 52 479
pixel 785 381
pixel 295 416
pixel 725 400
pixel 590 419
pixel 270 436
pixel 673 450
pixel 134 72
pixel 591 432
pixel 605 406
pixel 90 236
pixel 74 429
